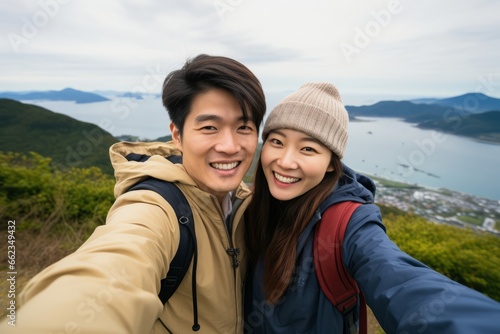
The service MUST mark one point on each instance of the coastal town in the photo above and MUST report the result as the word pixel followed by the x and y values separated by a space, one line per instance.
pixel 441 205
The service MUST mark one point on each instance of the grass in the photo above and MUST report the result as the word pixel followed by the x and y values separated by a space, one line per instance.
pixel 33 252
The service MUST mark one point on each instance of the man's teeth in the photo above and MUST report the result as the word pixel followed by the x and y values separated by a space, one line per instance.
pixel 285 179
pixel 225 166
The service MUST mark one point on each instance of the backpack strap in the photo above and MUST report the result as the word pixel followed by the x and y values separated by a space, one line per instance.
pixel 182 259
pixel 187 244
pixel 335 281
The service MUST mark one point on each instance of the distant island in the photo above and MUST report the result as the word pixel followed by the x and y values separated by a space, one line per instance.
pixel 472 115
pixel 136 96
pixel 67 94
pixel 470 102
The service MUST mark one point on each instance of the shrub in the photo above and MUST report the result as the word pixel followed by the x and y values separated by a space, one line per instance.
pixel 467 256
pixel 40 197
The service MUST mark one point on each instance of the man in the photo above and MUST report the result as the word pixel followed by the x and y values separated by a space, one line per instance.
pixel 111 283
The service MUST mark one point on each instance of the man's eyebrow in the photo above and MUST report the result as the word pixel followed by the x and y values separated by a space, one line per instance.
pixel 207 117
pixel 216 118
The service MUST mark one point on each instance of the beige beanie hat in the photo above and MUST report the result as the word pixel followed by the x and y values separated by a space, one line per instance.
pixel 317 110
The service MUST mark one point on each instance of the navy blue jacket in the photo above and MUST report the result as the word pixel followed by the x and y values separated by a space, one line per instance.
pixel 405 295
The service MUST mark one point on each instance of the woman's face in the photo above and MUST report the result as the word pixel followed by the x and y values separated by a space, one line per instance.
pixel 293 163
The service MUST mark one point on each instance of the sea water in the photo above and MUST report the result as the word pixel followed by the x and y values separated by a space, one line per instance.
pixel 384 147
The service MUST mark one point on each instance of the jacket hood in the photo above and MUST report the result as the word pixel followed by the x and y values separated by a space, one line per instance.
pixel 351 187
pixel 134 162
pixel 130 168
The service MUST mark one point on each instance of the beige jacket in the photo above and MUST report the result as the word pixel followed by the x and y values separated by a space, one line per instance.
pixel 110 284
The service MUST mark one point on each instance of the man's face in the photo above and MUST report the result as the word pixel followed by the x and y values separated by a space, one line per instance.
pixel 217 145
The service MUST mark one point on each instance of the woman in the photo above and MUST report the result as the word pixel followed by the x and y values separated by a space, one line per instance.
pixel 299 175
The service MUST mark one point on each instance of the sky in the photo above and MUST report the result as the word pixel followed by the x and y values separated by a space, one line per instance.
pixel 370 49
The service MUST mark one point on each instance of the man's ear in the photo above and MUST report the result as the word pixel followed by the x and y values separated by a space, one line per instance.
pixel 176 135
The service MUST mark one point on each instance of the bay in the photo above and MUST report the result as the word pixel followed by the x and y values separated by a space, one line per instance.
pixel 393 149
pixel 384 147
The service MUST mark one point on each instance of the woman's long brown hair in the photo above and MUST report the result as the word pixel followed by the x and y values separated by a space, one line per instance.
pixel 273 227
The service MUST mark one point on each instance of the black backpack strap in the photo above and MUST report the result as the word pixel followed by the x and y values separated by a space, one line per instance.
pixel 182 259
pixel 187 244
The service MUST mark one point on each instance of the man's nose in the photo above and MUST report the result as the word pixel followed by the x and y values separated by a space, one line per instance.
pixel 228 143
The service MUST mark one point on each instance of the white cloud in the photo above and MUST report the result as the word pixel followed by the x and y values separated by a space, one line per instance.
pixel 409 47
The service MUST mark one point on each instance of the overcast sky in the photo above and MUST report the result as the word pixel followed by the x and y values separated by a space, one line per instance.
pixel 366 47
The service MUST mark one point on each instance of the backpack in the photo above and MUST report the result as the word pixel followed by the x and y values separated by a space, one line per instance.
pixel 328 239
pixel 187 249
pixel 335 281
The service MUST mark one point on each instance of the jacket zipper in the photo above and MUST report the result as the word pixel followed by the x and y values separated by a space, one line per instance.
pixel 232 251
pixel 228 226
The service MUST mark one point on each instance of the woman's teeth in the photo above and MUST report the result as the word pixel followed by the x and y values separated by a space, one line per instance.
pixel 285 179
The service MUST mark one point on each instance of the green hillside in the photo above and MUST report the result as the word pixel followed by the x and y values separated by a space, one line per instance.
pixel 484 126
pixel 68 142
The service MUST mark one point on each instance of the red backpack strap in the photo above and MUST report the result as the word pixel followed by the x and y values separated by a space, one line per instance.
pixel 335 281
